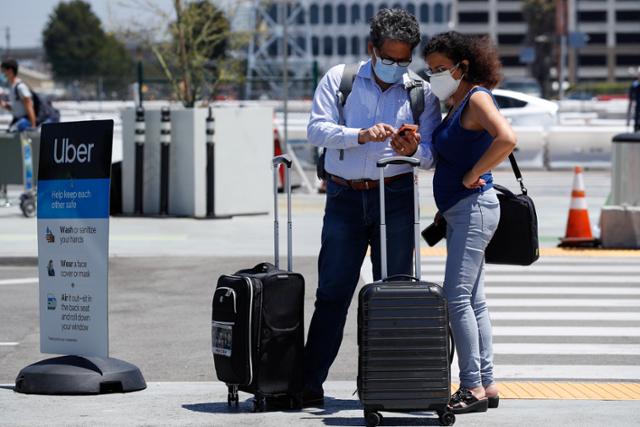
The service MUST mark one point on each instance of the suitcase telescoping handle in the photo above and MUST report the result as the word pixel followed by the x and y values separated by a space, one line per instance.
pixel 414 163
pixel 285 160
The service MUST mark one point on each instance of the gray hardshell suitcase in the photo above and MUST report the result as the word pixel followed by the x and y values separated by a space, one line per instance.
pixel 405 346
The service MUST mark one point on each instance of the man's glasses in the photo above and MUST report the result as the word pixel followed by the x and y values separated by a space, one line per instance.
pixel 389 61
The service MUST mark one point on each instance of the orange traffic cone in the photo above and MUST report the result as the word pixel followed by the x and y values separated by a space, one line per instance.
pixel 578 226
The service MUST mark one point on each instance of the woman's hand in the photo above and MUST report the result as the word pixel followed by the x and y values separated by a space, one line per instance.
pixel 472 180
pixel 438 218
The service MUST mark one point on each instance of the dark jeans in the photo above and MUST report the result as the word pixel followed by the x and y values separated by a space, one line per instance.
pixel 351 225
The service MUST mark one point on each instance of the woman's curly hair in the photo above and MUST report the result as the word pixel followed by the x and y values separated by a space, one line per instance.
pixel 485 68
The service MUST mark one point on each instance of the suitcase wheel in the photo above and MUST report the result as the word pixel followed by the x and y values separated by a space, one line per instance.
pixel 259 404
pixel 373 418
pixel 232 396
pixel 447 418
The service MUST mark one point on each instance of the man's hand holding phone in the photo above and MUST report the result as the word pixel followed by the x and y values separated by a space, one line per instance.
pixel 405 142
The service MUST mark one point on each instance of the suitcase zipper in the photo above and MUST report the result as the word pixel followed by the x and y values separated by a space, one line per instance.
pixel 248 280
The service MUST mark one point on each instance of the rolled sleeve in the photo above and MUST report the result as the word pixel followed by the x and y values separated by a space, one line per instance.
pixel 324 129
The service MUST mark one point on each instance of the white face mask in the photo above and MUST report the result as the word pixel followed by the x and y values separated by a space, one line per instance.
pixel 443 85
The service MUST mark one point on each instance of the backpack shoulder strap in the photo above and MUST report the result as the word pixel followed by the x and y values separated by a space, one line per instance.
pixel 346 82
pixel 415 89
pixel 344 90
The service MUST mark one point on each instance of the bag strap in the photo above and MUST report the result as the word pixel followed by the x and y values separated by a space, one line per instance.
pixel 517 173
pixel 415 88
pixel 346 85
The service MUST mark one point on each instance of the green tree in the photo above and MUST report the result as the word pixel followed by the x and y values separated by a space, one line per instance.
pixel 540 18
pixel 76 46
pixel 194 59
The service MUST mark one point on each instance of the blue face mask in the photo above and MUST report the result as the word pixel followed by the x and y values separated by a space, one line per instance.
pixel 388 73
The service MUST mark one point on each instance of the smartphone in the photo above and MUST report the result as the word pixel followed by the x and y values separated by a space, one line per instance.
pixel 407 128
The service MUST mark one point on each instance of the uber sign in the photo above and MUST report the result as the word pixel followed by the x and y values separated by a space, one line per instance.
pixel 69 153
pixel 73 237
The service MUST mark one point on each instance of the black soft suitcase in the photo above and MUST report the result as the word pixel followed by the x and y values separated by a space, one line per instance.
pixel 257 325
pixel 405 348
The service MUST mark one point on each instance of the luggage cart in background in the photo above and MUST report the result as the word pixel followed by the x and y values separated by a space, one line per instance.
pixel 18 163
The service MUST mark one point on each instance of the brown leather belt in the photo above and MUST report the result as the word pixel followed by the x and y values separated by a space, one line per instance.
pixel 365 184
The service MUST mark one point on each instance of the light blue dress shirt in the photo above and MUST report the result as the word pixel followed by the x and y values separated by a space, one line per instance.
pixel 366 106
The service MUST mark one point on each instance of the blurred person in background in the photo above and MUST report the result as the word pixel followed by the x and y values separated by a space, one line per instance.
pixel 20 103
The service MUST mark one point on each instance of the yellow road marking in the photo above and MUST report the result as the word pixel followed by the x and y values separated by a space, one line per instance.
pixel 555 252
pixel 567 390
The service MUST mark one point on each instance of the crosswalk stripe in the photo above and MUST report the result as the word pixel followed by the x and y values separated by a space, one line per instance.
pixel 565 302
pixel 532 315
pixel 543 268
pixel 566 331
pixel 582 349
pixel 10 282
pixel 562 290
pixel 553 278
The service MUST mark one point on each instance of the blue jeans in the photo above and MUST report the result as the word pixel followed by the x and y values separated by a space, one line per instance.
pixel 351 225
pixel 470 226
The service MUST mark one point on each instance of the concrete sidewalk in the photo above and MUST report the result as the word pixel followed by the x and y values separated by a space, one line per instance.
pixel 204 404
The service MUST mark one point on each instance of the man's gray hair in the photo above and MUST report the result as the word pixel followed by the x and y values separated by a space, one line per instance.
pixel 394 24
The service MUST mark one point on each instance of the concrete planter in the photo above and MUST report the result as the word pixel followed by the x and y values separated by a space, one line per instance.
pixel 243 149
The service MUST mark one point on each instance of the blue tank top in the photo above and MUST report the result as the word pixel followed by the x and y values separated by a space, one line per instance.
pixel 456 151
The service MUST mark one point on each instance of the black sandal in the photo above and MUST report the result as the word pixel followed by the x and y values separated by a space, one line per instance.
pixel 493 401
pixel 464 402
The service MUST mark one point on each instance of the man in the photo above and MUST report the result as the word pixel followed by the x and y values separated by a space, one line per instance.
pixel 20 99
pixel 374 110
pixel 634 99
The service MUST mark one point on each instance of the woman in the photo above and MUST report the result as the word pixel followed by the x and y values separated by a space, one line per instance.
pixel 473 139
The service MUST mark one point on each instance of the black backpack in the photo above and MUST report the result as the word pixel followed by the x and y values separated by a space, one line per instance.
pixel 416 99
pixel 42 106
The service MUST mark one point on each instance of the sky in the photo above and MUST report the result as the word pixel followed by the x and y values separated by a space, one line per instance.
pixel 27 18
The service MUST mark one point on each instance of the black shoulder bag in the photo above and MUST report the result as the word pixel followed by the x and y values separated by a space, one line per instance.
pixel 515 242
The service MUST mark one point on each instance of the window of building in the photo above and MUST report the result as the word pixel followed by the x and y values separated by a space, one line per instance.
pixel 424 13
pixel 628 60
pixel 448 14
pixel 342 46
pixel 397 6
pixel 597 38
pixel 328 45
pixel 355 13
pixel 273 49
pixel 383 6
pixel 509 17
pixel 314 14
pixel 368 12
pixel 301 42
pixel 366 45
pixel 301 15
pixel 628 16
pixel 328 13
pixel 627 38
pixel 273 12
pixel 511 61
pixel 592 59
pixel 355 45
pixel 411 8
pixel 341 11
pixel 438 13
pixel 516 39
pixel 592 16
pixel 473 17
pixel 315 46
